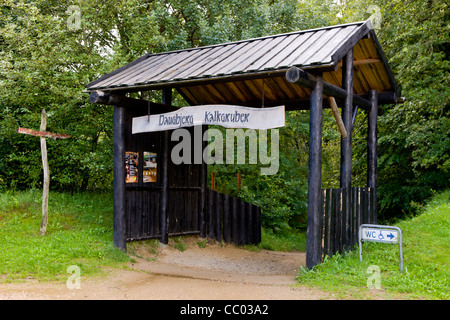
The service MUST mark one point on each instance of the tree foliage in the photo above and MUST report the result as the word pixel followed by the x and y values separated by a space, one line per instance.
pixel 46 60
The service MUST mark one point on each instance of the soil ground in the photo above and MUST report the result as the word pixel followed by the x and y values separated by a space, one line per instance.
pixel 215 272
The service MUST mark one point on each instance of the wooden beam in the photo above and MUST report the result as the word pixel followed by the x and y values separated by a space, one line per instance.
pixel 119 173
pixel 101 97
pixel 44 134
pixel 303 78
pixel 314 226
pixel 337 117
pixel 360 62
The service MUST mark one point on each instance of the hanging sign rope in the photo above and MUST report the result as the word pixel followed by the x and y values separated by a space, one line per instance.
pixel 227 116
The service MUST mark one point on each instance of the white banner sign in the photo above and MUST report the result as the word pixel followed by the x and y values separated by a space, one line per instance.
pixel 227 116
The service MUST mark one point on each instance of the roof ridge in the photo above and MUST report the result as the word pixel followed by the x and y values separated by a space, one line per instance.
pixel 259 38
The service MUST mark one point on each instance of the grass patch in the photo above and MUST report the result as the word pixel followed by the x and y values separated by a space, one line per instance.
pixel 426 254
pixel 79 232
pixel 291 240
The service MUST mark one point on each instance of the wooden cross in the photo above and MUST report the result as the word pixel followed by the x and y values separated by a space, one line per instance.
pixel 44 134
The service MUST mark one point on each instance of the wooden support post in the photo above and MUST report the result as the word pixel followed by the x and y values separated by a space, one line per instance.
pixel 347 109
pixel 372 149
pixel 164 200
pixel 203 177
pixel 119 173
pixel 314 231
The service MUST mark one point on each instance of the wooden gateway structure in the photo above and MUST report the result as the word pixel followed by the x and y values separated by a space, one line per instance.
pixel 338 66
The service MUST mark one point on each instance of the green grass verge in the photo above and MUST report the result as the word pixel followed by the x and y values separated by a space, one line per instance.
pixel 291 240
pixel 426 254
pixel 79 232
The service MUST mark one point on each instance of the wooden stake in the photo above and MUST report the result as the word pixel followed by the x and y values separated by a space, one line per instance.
pixel 46 185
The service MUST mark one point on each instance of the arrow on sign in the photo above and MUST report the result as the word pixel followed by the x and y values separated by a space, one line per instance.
pixel 391 236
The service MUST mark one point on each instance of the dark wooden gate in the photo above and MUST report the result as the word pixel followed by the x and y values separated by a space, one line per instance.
pixel 232 220
pixel 343 211
pixel 228 219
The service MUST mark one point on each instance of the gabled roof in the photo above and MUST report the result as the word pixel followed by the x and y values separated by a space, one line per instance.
pixel 238 72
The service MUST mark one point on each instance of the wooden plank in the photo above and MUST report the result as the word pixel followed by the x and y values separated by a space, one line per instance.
pixel 226 219
pixel 210 213
pixel 364 206
pixel 346 219
pixel 258 226
pixel 43 133
pixel 242 222
pixel 338 221
pixel 139 211
pixel 218 216
pixel 333 216
pixel 326 222
pixel 353 230
pixel 250 225
pixel 234 221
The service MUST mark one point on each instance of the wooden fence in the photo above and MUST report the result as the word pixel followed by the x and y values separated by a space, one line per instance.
pixel 227 219
pixel 344 210
pixel 232 220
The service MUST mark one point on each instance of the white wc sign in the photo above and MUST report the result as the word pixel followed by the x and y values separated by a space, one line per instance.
pixel 379 235
pixel 383 234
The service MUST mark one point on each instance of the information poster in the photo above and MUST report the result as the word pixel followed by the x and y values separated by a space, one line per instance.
pixel 132 165
pixel 150 166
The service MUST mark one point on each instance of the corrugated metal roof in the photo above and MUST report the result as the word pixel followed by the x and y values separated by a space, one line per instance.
pixel 237 72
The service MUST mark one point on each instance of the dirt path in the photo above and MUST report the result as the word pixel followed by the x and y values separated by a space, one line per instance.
pixel 214 272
